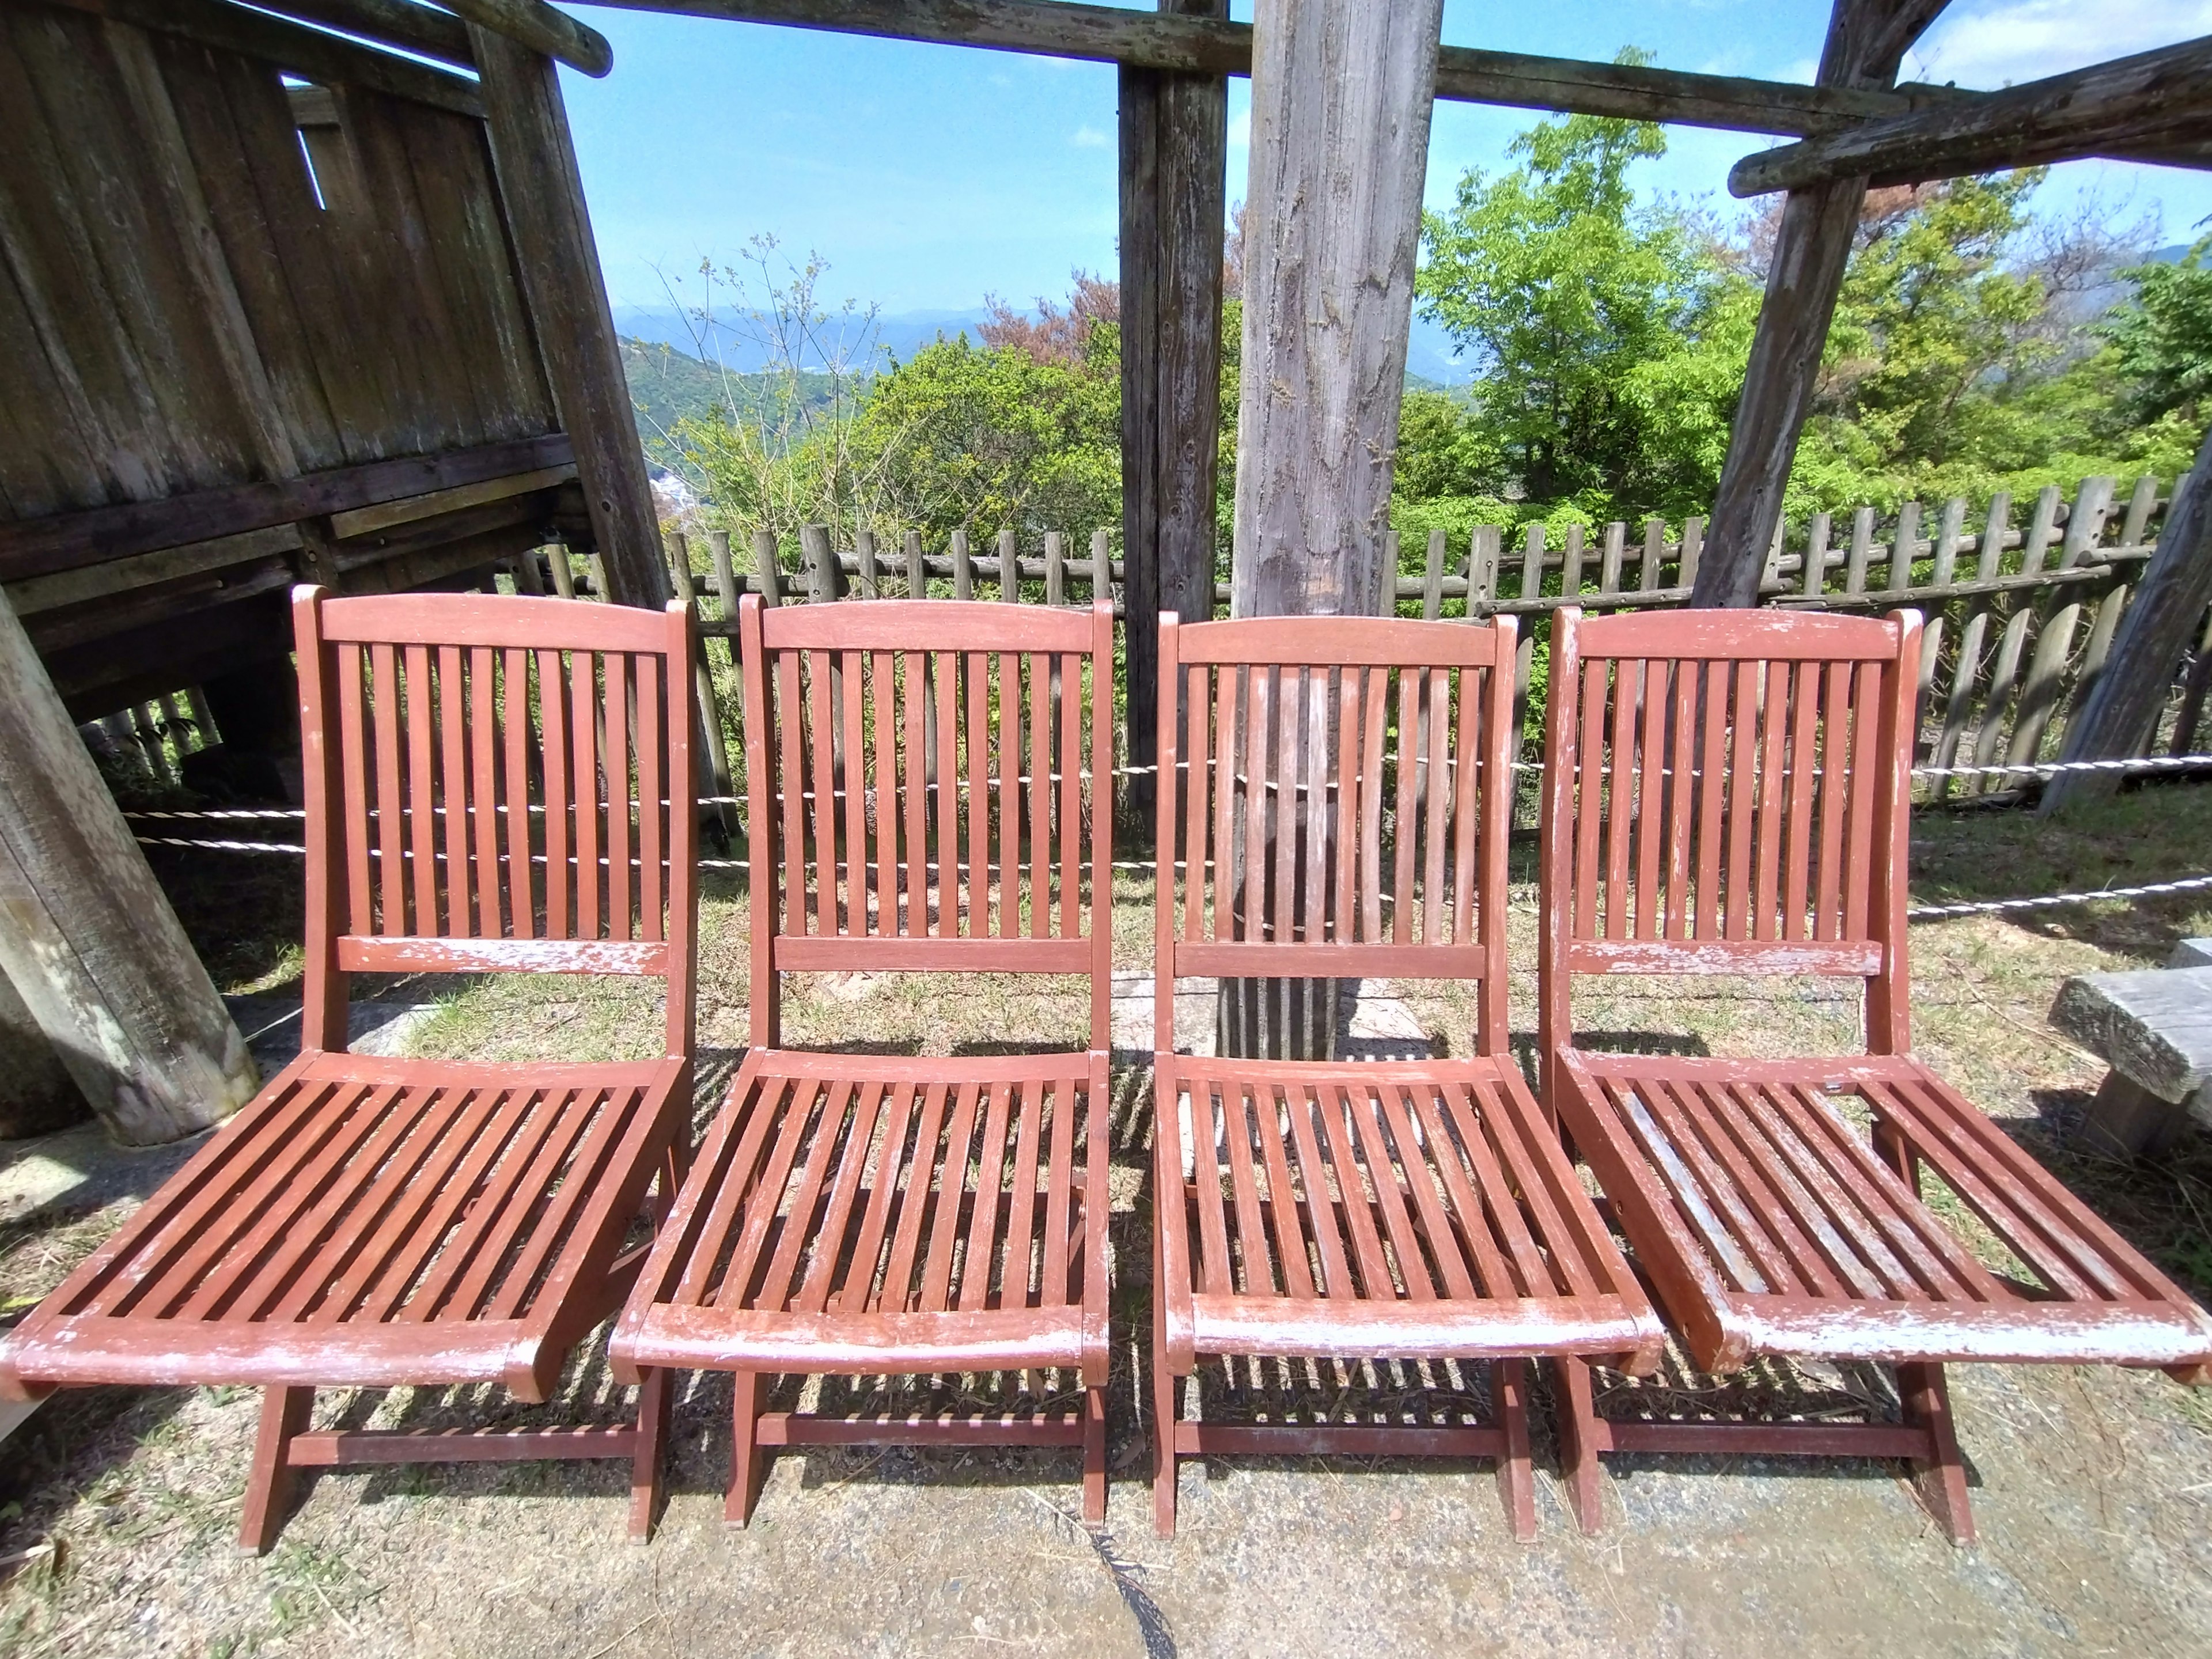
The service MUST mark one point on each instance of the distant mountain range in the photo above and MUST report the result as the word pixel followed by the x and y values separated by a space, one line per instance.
pixel 900 336
pixel 1428 358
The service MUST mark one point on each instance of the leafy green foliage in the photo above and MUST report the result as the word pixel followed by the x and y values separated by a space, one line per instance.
pixel 2162 340
pixel 1569 298
pixel 977 438
pixel 1612 336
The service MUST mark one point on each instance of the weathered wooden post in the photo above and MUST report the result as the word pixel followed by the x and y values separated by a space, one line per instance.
pixel 1175 146
pixel 87 935
pixel 535 162
pixel 2121 712
pixel 36 1093
pixel 1867 39
pixel 1342 98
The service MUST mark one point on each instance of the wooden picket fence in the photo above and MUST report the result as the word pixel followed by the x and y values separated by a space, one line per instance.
pixel 2022 609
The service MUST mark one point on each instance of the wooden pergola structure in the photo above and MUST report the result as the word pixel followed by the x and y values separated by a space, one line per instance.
pixel 1351 72
pixel 306 290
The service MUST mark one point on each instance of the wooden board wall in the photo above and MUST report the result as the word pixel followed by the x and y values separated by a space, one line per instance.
pixel 209 279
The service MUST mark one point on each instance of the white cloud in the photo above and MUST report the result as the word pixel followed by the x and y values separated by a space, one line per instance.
pixel 1240 129
pixel 2000 41
pixel 1087 138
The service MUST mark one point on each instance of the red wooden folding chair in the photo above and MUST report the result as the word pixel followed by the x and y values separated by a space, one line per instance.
pixel 1345 799
pixel 493 785
pixel 1730 794
pixel 920 783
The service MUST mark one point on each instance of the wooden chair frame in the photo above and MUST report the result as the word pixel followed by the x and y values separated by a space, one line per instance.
pixel 809 1239
pixel 373 1222
pixel 1440 1161
pixel 1745 808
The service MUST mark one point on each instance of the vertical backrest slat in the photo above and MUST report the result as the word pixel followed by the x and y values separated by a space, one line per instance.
pixel 652 835
pixel 944 698
pixel 419 704
pixel 975 679
pixel 484 791
pixel 914 787
pixel 1742 797
pixel 354 743
pixel 1651 782
pixel 1799 784
pixel 1039 804
pixel 1374 717
pixel 1467 780
pixel 1834 763
pixel 1403 822
pixel 1313 814
pixel 1866 762
pixel 1620 795
pixel 553 768
pixel 1773 716
pixel 818 785
pixel 1711 828
pixel 453 790
pixel 1251 775
pixel 1681 790
pixel 514 735
pixel 1590 823
pixel 584 787
pixel 1344 912
pixel 883 704
pixel 790 791
pixel 1435 830
pixel 1074 761
pixel 615 720
pixel 1007 733
pixel 1284 800
pixel 848 685
pixel 1196 781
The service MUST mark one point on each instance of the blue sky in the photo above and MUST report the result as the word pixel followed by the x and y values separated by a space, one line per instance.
pixel 927 176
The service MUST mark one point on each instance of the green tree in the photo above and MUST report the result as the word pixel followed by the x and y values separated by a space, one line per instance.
pixel 1565 293
pixel 979 438
pixel 2162 340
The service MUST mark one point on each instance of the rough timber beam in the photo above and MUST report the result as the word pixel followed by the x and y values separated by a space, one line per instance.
pixel 534 24
pixel 1866 41
pixel 2155 101
pixel 1204 45
pixel 399 23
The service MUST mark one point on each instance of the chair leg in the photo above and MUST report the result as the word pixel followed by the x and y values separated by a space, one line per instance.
pixel 1517 1481
pixel 1094 1455
pixel 1576 1416
pixel 645 1462
pixel 1167 1405
pixel 285 1411
pixel 1941 1477
pixel 745 1450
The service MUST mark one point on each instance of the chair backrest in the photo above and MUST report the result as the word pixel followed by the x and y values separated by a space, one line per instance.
pixel 495 784
pixel 1335 798
pixel 921 778
pixel 1729 791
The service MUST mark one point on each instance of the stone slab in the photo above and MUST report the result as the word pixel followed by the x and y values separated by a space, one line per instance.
pixel 2192 953
pixel 2153 1027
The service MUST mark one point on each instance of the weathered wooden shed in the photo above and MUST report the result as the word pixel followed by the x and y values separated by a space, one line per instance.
pixel 265 321
pixel 275 305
